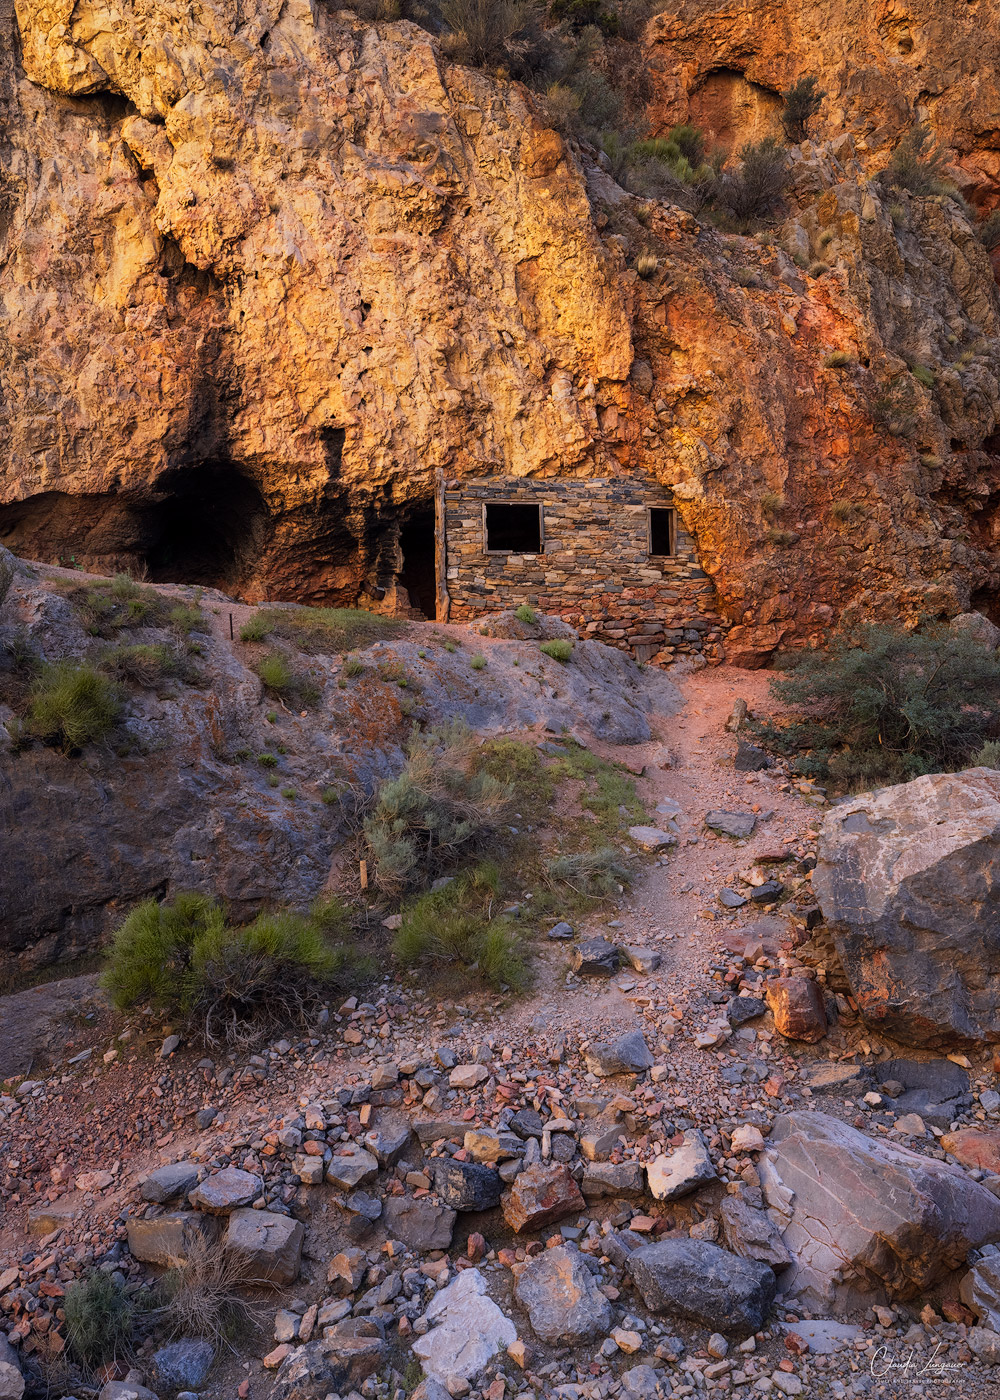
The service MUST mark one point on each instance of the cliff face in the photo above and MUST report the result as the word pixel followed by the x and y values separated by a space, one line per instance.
pixel 265 269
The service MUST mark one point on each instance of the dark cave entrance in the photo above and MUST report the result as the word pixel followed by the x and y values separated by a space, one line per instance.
pixel 208 527
pixel 418 571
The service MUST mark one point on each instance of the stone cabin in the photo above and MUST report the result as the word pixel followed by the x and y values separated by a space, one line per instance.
pixel 609 555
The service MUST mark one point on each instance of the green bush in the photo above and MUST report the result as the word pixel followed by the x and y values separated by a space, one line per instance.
pixel 146 664
pixel 233 985
pixel 802 101
pixel 754 190
pixel 478 662
pixel 561 649
pixel 839 359
pixel 526 614
pixel 275 673
pixel 988 756
pixel 441 807
pixel 352 667
pixel 100 1319
pixel 455 928
pixel 256 628
pixel 72 704
pixel 919 165
pixel 882 705
pixel 322 630
pixel 500 34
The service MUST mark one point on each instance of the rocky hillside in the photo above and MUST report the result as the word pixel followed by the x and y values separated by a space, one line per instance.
pixel 267 268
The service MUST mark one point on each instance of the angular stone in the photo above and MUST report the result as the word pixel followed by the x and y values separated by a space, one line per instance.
pixel 738 825
pixel 11 1378
pixel 743 1009
pixel 268 1246
pixel 599 1141
pixel 468 1329
pixel 629 1054
pixel 975 1147
pixel 351 1166
pixel 986 1345
pixel 184 1365
pixel 752 1234
pixel 796 1004
pixel 169 1239
pixel 419 1223
pixel 978 628
pixel 867 1212
pixel 561 930
pixel 706 1284
pixel 980 1289
pixel 430 1130
pixel 527 1123
pixel 488 1145
pixel 466 1185
pixel 640 959
pixel 389 1139
pixel 747 1138
pixel 652 838
pixel 167 1183
pixel 683 1171
pixel 595 957
pixel 42 1220
pixel 333 1365
pixel 125 1390
pixel 750 759
pixel 835 1079
pixel 228 1190
pixel 468 1076
pixel 562 1300
pixel 767 893
pixel 731 899
pixel 541 1195
pixel 642 1383
pixel 612 1179
pixel 919 934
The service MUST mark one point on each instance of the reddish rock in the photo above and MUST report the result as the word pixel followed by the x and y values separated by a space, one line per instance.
pixel 540 1196
pixel 797 1006
pixel 975 1147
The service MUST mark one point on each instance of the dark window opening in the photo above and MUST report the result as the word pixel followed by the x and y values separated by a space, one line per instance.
pixel 513 529
pixel 662 528
pixel 418 574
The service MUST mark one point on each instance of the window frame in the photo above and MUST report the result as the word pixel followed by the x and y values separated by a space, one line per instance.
pixel 529 553
pixel 671 531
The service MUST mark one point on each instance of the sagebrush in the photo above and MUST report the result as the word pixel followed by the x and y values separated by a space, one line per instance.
pixel 232 984
pixel 460 928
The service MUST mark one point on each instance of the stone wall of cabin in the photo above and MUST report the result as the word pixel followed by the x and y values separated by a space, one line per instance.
pixel 595 570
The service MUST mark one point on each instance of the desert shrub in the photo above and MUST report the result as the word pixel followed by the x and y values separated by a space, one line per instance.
pixel 613 798
pixel 526 614
pixel 988 230
pixel 919 164
pixel 510 761
pixel 923 375
pixel 186 617
pixel 478 662
pixel 839 359
pixel 882 705
pixel 895 410
pixel 441 807
pixel 100 1319
pixel 455 927
pixel 560 649
pixel 275 673
pixel 6 572
pixel 352 667
pixel 500 34
pixel 322 630
pixel 988 756
pixel 772 503
pixel 782 539
pixel 107 606
pixel 233 984
pixel 146 664
pixel 802 101
pixel 752 191
pixel 596 873
pixel 72 704
pixel 844 512
pixel 201 1297
pixel 646 264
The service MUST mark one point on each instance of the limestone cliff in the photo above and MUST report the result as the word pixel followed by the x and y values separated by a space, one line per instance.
pixel 265 269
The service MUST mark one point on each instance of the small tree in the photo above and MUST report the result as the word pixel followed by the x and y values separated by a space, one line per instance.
pixel 802 101
pixel 753 191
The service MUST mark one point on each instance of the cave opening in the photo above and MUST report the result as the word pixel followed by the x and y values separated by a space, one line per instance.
pixel 207 526
pixel 418 570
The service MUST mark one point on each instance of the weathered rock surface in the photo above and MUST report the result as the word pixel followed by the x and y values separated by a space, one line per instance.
pixel 682 1171
pixel 184 1365
pixel 11 1377
pixel 860 1212
pixel 796 1003
pixel 700 1281
pixel 980 1288
pixel 268 1246
pixel 168 1239
pixel 752 1234
pixel 420 1224
pixel 334 1364
pixel 467 1185
pixel 907 879
pixel 351 1166
pixel 541 1195
pixel 975 1147
pixel 467 1330
pixel 629 1054
pixel 563 1302
pixel 168 1182
pixel 226 1191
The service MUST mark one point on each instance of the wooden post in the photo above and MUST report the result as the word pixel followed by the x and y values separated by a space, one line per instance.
pixel 231 637
pixel 364 874
pixel 442 602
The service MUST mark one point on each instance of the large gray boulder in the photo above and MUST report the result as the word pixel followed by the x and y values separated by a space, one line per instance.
pixel 11 1379
pixel 340 1362
pixel 706 1284
pixel 170 1239
pixel 909 880
pixel 563 1303
pixel 267 1245
pixel 858 1213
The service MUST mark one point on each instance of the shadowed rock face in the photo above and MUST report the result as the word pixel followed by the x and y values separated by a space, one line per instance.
pixel 268 269
pixel 907 878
